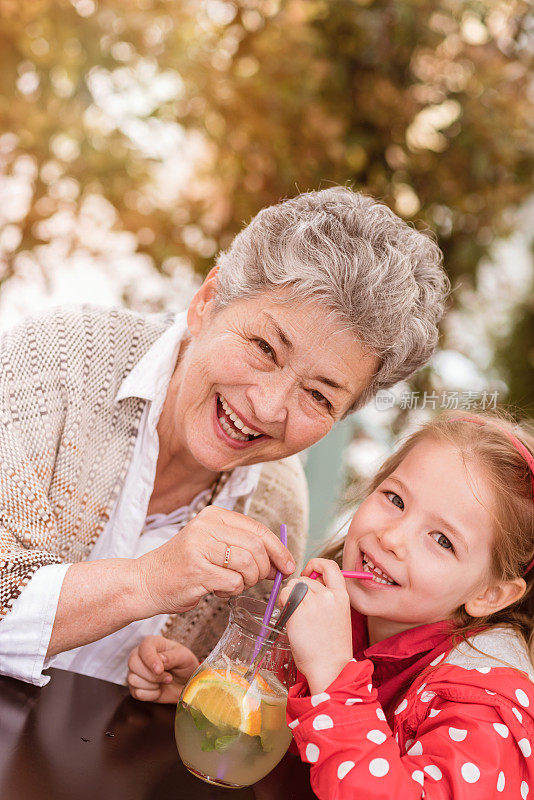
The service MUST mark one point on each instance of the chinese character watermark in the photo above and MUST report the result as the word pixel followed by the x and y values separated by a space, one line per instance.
pixel 453 400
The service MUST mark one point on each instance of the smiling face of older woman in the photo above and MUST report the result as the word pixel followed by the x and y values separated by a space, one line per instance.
pixel 259 380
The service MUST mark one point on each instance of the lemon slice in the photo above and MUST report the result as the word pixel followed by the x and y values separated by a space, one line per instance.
pixel 223 697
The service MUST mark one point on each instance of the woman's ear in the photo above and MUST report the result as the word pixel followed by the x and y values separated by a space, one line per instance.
pixel 202 303
pixel 496 597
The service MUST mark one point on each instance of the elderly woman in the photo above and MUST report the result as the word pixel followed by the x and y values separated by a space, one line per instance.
pixel 131 446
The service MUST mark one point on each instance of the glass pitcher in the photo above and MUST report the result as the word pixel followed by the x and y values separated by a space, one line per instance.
pixel 230 731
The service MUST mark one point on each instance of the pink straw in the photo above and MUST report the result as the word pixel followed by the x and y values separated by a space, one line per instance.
pixel 272 599
pixel 363 576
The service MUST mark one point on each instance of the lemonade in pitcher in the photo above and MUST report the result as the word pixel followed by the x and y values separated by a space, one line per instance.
pixel 231 731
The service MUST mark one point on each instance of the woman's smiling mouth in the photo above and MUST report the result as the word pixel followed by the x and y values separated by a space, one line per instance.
pixel 233 425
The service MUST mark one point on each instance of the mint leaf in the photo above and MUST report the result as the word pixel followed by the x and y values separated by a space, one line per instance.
pixel 206 745
pixel 222 743
pixel 199 719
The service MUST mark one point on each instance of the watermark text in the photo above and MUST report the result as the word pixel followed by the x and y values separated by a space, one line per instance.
pixel 452 400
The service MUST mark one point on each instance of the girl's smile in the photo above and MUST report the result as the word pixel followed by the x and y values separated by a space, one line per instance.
pixel 381 577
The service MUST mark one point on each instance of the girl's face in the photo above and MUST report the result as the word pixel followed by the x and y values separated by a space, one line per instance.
pixel 425 533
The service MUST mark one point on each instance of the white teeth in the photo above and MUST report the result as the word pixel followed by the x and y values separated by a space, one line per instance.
pixel 237 421
pixel 230 431
pixel 379 576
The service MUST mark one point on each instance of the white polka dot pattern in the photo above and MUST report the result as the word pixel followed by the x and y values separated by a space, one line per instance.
pixel 464 753
pixel 352 700
pixel 418 776
pixel 426 697
pixel 293 724
pixel 401 706
pixel 379 767
pixel 501 729
pixel 344 768
pixel 522 698
pixel 416 749
pixel 433 771
pixel 525 747
pixel 470 772
pixel 322 722
pixel 315 699
pixel 376 736
pixel 312 752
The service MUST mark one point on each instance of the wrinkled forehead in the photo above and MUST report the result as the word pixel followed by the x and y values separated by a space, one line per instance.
pixel 320 344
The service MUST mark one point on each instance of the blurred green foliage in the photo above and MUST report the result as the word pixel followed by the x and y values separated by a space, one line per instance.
pixel 426 104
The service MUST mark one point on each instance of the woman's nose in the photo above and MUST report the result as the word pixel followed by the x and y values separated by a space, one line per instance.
pixel 269 399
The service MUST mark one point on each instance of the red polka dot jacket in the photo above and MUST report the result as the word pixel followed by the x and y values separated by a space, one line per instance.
pixel 410 717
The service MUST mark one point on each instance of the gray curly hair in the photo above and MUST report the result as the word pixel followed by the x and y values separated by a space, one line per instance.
pixel 380 277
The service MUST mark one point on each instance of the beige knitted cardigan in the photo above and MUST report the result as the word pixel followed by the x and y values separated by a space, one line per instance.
pixel 65 448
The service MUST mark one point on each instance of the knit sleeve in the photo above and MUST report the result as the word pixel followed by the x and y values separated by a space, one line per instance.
pixel 65 444
pixel 28 532
pixel 32 419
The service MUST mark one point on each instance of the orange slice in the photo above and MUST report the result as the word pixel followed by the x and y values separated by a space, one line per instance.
pixel 225 700
pixel 262 685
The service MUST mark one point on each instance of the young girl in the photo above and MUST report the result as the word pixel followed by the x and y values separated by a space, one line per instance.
pixel 418 683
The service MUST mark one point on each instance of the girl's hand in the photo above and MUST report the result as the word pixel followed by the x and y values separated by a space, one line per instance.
pixel 320 631
pixel 159 668
pixel 173 577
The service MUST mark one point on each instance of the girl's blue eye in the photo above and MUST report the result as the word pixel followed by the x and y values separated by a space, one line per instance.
pixel 395 499
pixel 442 540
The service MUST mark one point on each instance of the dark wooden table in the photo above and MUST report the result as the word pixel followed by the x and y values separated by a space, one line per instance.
pixel 80 738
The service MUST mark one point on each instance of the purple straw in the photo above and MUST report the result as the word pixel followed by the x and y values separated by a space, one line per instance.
pixel 272 599
pixel 261 636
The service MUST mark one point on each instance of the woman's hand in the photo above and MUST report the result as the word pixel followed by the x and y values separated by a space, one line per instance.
pixel 159 668
pixel 320 631
pixel 172 578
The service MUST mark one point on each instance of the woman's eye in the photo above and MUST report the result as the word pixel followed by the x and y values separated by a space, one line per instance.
pixel 265 347
pixel 443 541
pixel 395 499
pixel 320 397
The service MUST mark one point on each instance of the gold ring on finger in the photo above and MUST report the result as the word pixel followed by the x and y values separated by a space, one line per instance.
pixel 226 557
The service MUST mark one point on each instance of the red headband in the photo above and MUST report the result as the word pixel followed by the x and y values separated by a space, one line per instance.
pixel 524 451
